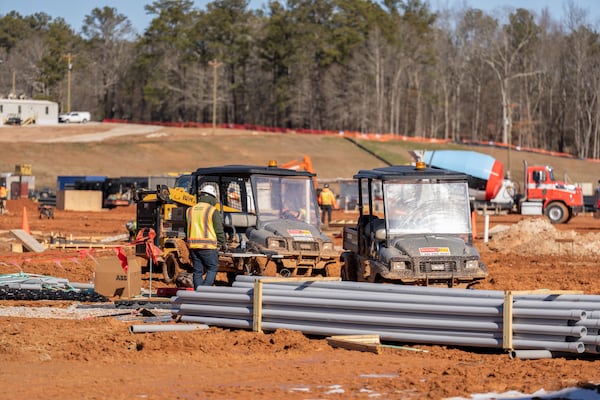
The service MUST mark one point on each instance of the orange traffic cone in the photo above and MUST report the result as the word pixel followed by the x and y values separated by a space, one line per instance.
pixel 25 222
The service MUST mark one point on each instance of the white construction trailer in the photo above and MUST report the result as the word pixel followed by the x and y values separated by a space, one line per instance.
pixel 25 112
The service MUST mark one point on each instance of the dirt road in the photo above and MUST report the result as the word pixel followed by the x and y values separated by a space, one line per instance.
pixel 98 358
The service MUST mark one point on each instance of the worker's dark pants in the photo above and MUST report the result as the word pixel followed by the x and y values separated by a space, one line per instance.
pixel 326 210
pixel 205 260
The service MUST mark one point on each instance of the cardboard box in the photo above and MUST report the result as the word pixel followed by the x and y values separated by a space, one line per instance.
pixel 111 280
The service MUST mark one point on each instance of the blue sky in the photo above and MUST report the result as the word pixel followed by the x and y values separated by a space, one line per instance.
pixel 74 11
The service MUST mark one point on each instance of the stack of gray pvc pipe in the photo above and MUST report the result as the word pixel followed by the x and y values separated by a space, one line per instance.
pixel 408 314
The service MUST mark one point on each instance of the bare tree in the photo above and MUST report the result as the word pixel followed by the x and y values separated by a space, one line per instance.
pixel 109 35
pixel 582 53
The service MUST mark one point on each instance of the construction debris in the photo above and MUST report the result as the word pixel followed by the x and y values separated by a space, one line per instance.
pixel 367 343
pixel 28 241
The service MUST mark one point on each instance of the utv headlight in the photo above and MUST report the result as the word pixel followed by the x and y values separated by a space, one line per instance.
pixel 327 246
pixel 472 264
pixel 275 243
pixel 397 266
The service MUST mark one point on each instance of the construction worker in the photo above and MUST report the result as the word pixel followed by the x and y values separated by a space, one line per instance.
pixel 327 203
pixel 290 211
pixel 205 235
pixel 3 197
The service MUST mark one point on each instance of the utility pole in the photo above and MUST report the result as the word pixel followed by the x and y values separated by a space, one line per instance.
pixel 69 68
pixel 215 65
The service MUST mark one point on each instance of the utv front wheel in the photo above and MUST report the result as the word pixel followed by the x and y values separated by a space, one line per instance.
pixel 349 267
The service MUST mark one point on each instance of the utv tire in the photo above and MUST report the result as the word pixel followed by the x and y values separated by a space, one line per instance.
pixel 349 267
pixel 333 269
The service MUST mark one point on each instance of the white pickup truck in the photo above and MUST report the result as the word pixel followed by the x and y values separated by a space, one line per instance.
pixel 74 116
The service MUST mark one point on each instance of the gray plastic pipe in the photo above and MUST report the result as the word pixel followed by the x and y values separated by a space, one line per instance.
pixel 588 323
pixel 166 328
pixel 557 305
pixel 199 309
pixel 221 295
pixel 595 314
pixel 530 354
pixel 82 285
pixel 395 315
pixel 378 288
pixel 284 290
pixel 425 291
pixel 223 322
pixel 595 340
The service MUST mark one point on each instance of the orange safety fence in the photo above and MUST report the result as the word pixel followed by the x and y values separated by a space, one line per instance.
pixel 381 137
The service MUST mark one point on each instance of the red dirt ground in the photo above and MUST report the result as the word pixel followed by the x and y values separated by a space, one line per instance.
pixel 98 358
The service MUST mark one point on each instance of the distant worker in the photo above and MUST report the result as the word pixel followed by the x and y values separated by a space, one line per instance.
pixel 131 227
pixel 233 198
pixel 205 235
pixel 327 203
pixel 3 198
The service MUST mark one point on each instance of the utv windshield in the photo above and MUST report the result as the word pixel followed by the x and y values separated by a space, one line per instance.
pixel 288 197
pixel 427 207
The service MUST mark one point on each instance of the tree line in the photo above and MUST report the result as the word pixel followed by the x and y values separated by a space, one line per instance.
pixel 390 66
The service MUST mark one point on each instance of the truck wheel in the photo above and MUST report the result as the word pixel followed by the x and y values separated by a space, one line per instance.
pixel 349 266
pixel 557 213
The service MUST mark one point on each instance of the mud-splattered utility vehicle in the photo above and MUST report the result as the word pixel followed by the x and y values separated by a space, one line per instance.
pixel 414 228
pixel 271 219
pixel 270 216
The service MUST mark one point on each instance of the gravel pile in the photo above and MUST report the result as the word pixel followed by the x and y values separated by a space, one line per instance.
pixel 76 311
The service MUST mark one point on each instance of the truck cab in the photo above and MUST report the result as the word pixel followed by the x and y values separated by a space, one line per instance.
pixel 414 228
pixel 559 201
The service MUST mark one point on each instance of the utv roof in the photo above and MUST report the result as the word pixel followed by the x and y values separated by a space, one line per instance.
pixel 409 172
pixel 247 170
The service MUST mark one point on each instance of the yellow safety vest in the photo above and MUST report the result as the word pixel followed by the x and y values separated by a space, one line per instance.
pixel 201 232
pixel 327 198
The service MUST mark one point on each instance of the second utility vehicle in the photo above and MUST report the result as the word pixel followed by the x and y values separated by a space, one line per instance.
pixel 414 227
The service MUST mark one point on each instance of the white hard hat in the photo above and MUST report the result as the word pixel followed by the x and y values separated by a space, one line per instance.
pixel 209 189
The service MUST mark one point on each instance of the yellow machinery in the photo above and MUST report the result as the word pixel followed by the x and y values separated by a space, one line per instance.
pixel 163 210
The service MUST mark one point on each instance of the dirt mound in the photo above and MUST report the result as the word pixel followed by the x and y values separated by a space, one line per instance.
pixel 537 236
